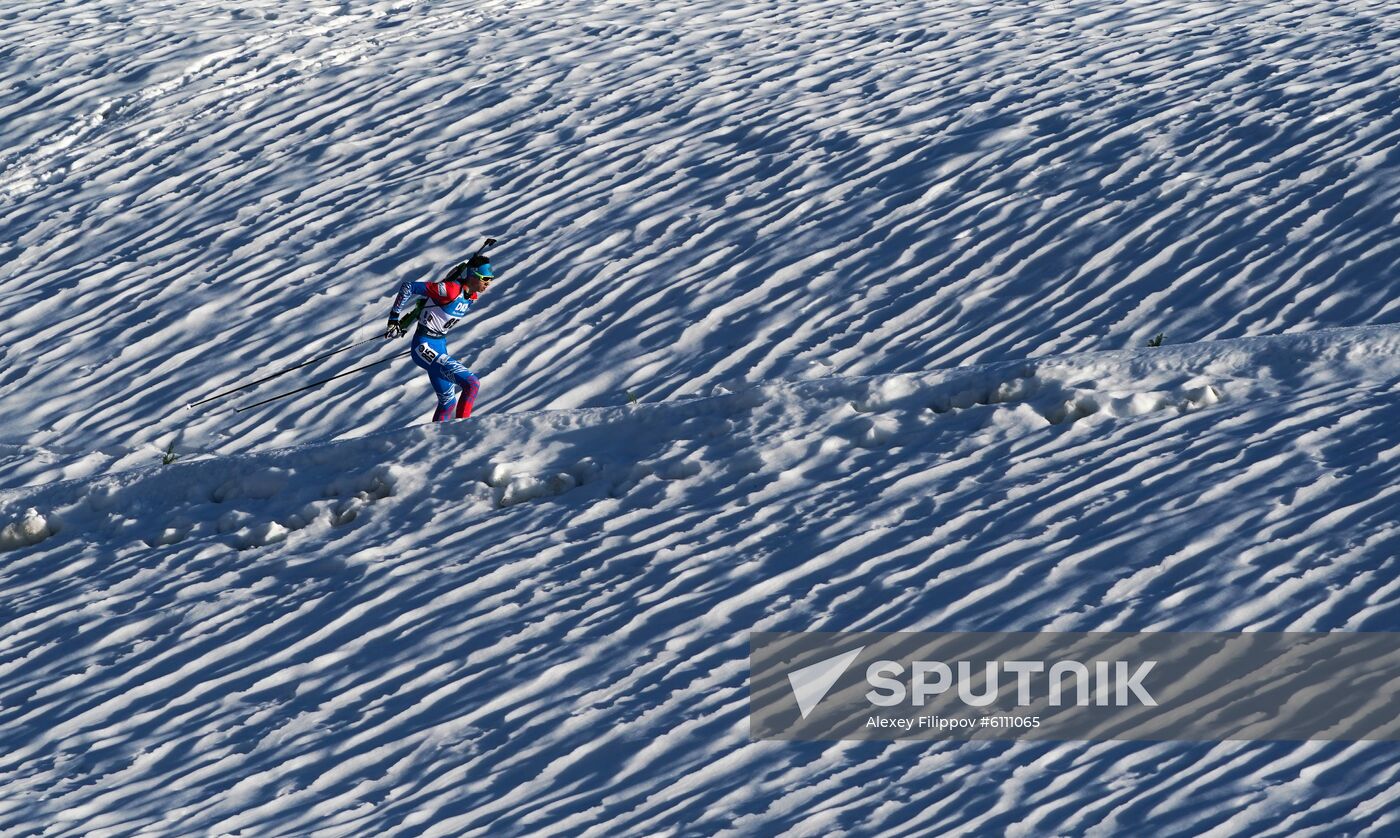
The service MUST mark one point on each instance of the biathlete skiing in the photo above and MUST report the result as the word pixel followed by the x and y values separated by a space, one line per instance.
pixel 443 303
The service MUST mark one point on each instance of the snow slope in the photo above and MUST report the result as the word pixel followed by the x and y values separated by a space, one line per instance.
pixel 689 194
pixel 881 275
pixel 538 621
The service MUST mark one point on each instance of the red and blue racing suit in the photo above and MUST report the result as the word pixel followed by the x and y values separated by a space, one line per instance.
pixel 447 302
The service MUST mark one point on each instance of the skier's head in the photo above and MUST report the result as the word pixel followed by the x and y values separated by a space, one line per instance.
pixel 479 276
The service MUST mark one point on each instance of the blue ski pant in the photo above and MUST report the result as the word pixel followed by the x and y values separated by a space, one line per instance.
pixel 448 375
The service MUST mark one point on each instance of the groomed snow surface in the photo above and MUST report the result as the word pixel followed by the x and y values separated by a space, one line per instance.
pixel 538 622
pixel 879 277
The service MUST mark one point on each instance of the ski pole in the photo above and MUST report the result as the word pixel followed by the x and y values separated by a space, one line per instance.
pixel 317 383
pixel 490 242
pixel 276 374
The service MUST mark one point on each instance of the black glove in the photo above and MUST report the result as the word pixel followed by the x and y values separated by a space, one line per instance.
pixel 394 330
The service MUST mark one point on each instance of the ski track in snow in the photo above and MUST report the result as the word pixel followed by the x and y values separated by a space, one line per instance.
pixel 690 194
pixel 536 621
pixel 383 636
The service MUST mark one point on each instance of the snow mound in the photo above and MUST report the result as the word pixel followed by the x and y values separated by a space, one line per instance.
pixel 31 528
pixel 263 499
